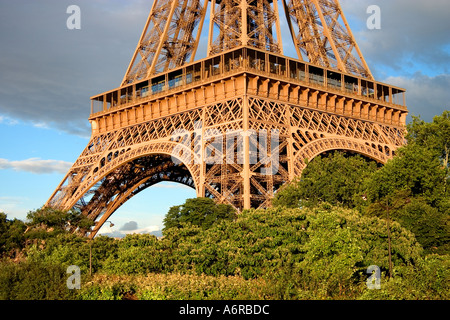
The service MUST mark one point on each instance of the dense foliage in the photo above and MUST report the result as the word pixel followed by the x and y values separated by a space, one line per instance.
pixel 277 253
pixel 434 135
pixel 412 188
pixel 11 235
pixel 202 212
pixel 335 178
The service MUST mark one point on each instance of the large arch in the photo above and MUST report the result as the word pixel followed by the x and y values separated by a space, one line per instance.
pixel 113 159
pixel 314 148
pixel 136 181
pixel 109 184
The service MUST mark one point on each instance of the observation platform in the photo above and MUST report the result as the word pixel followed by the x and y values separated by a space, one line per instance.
pixel 248 71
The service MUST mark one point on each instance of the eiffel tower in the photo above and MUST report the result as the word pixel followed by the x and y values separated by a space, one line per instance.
pixel 240 123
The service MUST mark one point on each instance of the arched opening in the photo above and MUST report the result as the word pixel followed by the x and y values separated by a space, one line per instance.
pixel 317 147
pixel 144 213
pixel 335 177
pixel 347 154
pixel 128 180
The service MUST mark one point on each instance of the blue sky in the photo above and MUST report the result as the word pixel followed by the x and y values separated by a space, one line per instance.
pixel 48 73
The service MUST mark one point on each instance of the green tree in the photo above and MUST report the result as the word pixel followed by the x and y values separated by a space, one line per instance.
pixel 303 253
pixel 202 212
pixel 67 249
pixel 63 249
pixel 430 226
pixel 138 254
pixel 428 279
pixel 413 187
pixel 32 280
pixel 289 195
pixel 434 135
pixel 11 235
pixel 48 221
pixel 335 178
pixel 343 244
pixel 414 170
pixel 258 240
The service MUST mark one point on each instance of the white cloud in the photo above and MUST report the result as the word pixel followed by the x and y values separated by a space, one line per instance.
pixel 8 121
pixel 130 227
pixel 36 165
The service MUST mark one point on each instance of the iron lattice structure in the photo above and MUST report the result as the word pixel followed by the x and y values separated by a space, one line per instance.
pixel 239 123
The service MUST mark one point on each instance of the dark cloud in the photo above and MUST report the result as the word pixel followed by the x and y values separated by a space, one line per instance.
pixel 129 226
pixel 426 96
pixel 48 72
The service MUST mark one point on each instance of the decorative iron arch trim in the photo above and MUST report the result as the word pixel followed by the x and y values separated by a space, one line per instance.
pixel 174 149
pixel 145 181
pixel 316 147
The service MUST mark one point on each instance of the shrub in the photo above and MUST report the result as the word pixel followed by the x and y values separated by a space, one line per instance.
pixel 34 281
pixel 138 254
pixel 343 244
pixel 175 287
pixel 429 279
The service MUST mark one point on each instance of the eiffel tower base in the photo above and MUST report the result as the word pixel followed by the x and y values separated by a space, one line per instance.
pixel 238 124
pixel 237 138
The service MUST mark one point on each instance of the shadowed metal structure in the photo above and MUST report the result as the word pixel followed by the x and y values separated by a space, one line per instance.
pixel 239 123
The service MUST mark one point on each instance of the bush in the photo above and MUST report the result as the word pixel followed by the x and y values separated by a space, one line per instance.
pixel 278 253
pixel 137 254
pixel 48 222
pixel 343 244
pixel 427 280
pixel 11 235
pixel 34 281
pixel 62 249
pixel 175 287
pixel 258 240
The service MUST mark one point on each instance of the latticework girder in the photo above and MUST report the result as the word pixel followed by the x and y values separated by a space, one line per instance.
pixel 171 36
pixel 322 35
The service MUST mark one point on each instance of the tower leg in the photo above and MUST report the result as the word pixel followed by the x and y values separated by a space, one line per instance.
pixel 246 167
